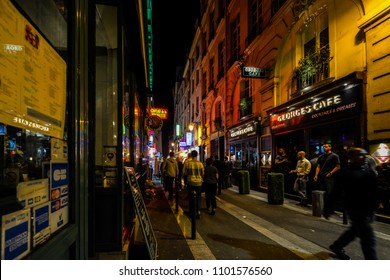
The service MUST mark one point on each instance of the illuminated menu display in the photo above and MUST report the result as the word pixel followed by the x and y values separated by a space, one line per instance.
pixel 32 76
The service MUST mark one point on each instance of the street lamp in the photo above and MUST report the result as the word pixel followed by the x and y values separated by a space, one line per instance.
pixel 191 127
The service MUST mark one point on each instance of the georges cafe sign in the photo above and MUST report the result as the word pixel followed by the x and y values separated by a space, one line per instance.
pixel 315 109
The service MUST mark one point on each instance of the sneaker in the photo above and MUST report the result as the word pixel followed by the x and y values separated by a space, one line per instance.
pixel 212 213
pixel 340 253
pixel 198 215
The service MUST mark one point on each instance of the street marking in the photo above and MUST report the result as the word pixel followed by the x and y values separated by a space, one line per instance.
pixel 299 246
pixel 198 246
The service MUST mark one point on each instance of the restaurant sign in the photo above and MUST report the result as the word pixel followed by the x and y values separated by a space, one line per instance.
pixel 316 108
pixel 246 130
pixel 160 112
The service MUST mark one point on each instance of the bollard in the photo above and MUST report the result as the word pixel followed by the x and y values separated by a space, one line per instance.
pixel 317 198
pixel 177 197
pixel 193 215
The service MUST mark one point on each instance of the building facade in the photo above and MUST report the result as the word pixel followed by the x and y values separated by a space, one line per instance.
pixel 293 74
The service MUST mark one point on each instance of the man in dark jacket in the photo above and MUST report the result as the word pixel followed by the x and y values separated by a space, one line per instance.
pixel 361 201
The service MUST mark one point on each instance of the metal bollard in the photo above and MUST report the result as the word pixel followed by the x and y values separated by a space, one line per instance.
pixel 177 198
pixel 193 215
pixel 317 203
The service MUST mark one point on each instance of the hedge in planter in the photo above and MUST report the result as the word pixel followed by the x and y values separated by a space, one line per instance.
pixel 275 188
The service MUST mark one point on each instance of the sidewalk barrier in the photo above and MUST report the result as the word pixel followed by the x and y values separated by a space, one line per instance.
pixel 243 181
pixel 275 188
pixel 317 202
pixel 193 215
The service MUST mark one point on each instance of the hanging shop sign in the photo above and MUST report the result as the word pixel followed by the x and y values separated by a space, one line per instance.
pixel 160 112
pixel 154 123
pixel 317 108
pixel 254 72
pixel 33 77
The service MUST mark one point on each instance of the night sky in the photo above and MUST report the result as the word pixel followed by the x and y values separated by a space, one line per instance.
pixel 173 31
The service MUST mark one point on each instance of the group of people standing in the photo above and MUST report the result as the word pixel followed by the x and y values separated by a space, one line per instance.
pixel 211 179
pixel 354 178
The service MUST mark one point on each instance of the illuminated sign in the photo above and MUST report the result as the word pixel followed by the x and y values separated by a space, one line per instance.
pixel 317 108
pixel 244 130
pixel 189 138
pixel 254 72
pixel 160 112
pixel 33 77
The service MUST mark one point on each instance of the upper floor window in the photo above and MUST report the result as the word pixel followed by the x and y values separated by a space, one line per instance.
pixel 276 5
pixel 211 27
pixel 255 19
pixel 235 38
pixel 315 54
pixel 211 74
pixel 221 59
pixel 245 105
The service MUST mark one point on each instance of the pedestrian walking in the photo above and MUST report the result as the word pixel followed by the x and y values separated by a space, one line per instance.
pixel 210 186
pixel 361 201
pixel 327 165
pixel 220 166
pixel 193 171
pixel 179 161
pixel 302 170
pixel 227 167
pixel 171 172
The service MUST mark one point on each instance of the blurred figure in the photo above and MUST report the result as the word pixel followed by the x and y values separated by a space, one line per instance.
pixel 227 167
pixel 282 165
pixel 180 164
pixel 221 172
pixel 171 172
pixel 210 184
pixel 361 202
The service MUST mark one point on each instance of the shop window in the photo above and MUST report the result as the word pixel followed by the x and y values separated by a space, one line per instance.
pixel 106 96
pixel 34 181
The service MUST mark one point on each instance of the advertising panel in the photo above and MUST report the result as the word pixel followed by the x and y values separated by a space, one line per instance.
pixel 33 79
pixel 41 226
pixel 32 193
pixel 15 235
pixel 59 149
pixel 59 184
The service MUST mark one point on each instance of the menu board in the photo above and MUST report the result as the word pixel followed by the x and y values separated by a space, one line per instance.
pixel 142 213
pixel 32 76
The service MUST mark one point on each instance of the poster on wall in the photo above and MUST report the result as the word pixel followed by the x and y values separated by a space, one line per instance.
pixel 15 235
pixel 33 76
pixel 59 184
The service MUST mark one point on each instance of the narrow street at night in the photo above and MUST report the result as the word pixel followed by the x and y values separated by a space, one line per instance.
pixel 247 227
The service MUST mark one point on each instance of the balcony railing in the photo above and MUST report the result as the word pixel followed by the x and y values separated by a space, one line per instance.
pixel 311 69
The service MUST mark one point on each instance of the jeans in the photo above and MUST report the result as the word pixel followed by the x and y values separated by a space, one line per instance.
pixel 198 192
pixel 327 185
pixel 361 226
pixel 300 186
pixel 211 192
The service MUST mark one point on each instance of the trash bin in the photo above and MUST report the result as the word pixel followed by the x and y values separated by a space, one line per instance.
pixel 243 181
pixel 275 188
pixel 317 202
